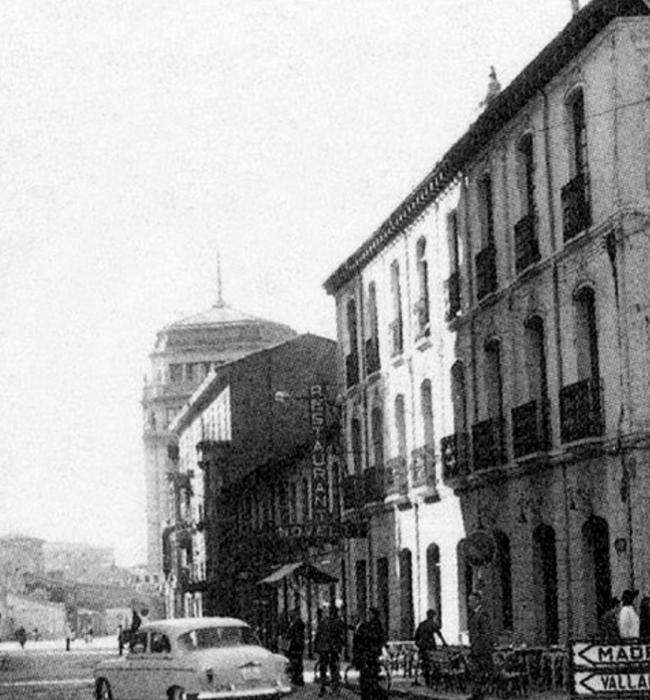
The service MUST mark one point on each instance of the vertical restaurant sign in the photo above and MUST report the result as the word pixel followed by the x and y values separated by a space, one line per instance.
pixel 319 477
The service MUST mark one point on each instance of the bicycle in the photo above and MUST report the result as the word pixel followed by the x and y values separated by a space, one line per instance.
pixel 351 676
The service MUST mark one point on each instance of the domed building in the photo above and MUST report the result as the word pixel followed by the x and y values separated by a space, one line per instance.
pixel 183 355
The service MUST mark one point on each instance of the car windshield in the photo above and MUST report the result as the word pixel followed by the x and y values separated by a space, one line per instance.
pixel 211 637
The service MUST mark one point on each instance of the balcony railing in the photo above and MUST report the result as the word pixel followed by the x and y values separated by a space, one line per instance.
pixel 526 243
pixel 530 428
pixel 351 370
pixel 397 337
pixel 576 212
pixel 421 312
pixel 486 271
pixel 395 477
pixel 488 442
pixel 423 466
pixel 581 413
pixel 454 450
pixel 373 485
pixel 372 356
pixel 352 491
pixel 452 289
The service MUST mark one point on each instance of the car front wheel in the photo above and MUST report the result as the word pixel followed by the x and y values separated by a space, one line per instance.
pixel 176 693
pixel 104 690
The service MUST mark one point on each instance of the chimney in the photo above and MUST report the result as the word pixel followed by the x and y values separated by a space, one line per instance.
pixel 575 6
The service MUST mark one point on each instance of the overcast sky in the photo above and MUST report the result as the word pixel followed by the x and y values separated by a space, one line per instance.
pixel 137 137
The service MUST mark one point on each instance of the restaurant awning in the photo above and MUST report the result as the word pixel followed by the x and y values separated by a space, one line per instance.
pixel 299 568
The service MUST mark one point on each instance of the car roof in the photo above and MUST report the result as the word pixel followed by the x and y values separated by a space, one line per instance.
pixel 180 625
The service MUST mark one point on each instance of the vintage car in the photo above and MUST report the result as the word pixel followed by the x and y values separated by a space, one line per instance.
pixel 197 658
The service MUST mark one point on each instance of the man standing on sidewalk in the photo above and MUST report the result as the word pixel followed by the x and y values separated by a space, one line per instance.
pixel 481 640
pixel 425 641
pixel 296 647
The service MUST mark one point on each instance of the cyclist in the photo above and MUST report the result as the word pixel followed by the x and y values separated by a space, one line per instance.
pixel 425 641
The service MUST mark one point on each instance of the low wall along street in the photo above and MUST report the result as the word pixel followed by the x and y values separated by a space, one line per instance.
pixel 610 670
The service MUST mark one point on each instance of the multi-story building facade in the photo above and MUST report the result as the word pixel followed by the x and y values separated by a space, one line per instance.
pixel 184 354
pixel 256 485
pixel 538 221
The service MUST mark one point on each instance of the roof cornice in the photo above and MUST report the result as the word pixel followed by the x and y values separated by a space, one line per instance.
pixel 582 28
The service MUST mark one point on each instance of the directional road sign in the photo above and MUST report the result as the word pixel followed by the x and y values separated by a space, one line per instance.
pixel 604 683
pixel 590 655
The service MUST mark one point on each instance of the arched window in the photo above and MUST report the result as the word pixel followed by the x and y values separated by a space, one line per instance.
pixel 352 326
pixel 434 593
pixel 377 429
pixel 503 580
pixel 588 362
pixel 383 592
pixel 575 105
pixel 426 408
pixel 396 325
pixel 372 343
pixel 486 210
pixel 422 304
pixel 361 585
pixel 400 425
pixel 406 594
pixel 459 396
pixel 356 445
pixel 597 573
pixel 465 585
pixel 545 583
pixel 526 175
pixel 493 383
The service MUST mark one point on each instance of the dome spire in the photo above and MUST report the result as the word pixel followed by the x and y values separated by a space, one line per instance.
pixel 220 301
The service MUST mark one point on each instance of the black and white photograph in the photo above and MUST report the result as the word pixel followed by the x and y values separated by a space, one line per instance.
pixel 325 329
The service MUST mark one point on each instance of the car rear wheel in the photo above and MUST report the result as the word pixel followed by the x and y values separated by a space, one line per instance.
pixel 176 693
pixel 104 690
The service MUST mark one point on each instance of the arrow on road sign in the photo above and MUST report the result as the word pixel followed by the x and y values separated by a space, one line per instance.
pixel 589 683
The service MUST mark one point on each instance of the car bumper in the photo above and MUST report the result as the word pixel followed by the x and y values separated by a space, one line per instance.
pixel 267 692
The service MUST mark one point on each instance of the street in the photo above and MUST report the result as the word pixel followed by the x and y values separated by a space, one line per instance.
pixel 56 675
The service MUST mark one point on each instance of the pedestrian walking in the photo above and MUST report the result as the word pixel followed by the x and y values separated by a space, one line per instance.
pixel 425 641
pixel 330 639
pixel 628 620
pixel 481 640
pixel 120 639
pixel 21 636
pixel 609 633
pixel 644 618
pixel 68 636
pixel 296 647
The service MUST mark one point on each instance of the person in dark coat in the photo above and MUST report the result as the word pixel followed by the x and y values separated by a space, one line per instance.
pixel 330 640
pixel 367 644
pixel 481 640
pixel 644 619
pixel 609 633
pixel 425 641
pixel 296 647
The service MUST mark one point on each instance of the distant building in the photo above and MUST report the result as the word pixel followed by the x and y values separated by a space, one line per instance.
pixel 257 473
pixel 184 354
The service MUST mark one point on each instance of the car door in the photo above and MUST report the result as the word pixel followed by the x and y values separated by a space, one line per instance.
pixel 161 673
pixel 127 679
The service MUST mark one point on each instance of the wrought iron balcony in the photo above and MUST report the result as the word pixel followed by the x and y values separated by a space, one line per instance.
pixel 352 488
pixel 395 478
pixel 488 442
pixel 423 466
pixel 581 413
pixel 421 312
pixel 351 370
pixel 373 485
pixel 530 428
pixel 372 356
pixel 454 450
pixel 576 211
pixel 486 271
pixel 526 243
pixel 452 296
pixel 397 337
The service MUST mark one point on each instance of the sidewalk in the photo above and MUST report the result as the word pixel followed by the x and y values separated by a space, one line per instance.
pixel 99 645
pixel 404 688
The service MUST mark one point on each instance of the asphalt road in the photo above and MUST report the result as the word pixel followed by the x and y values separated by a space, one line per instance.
pixel 57 675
